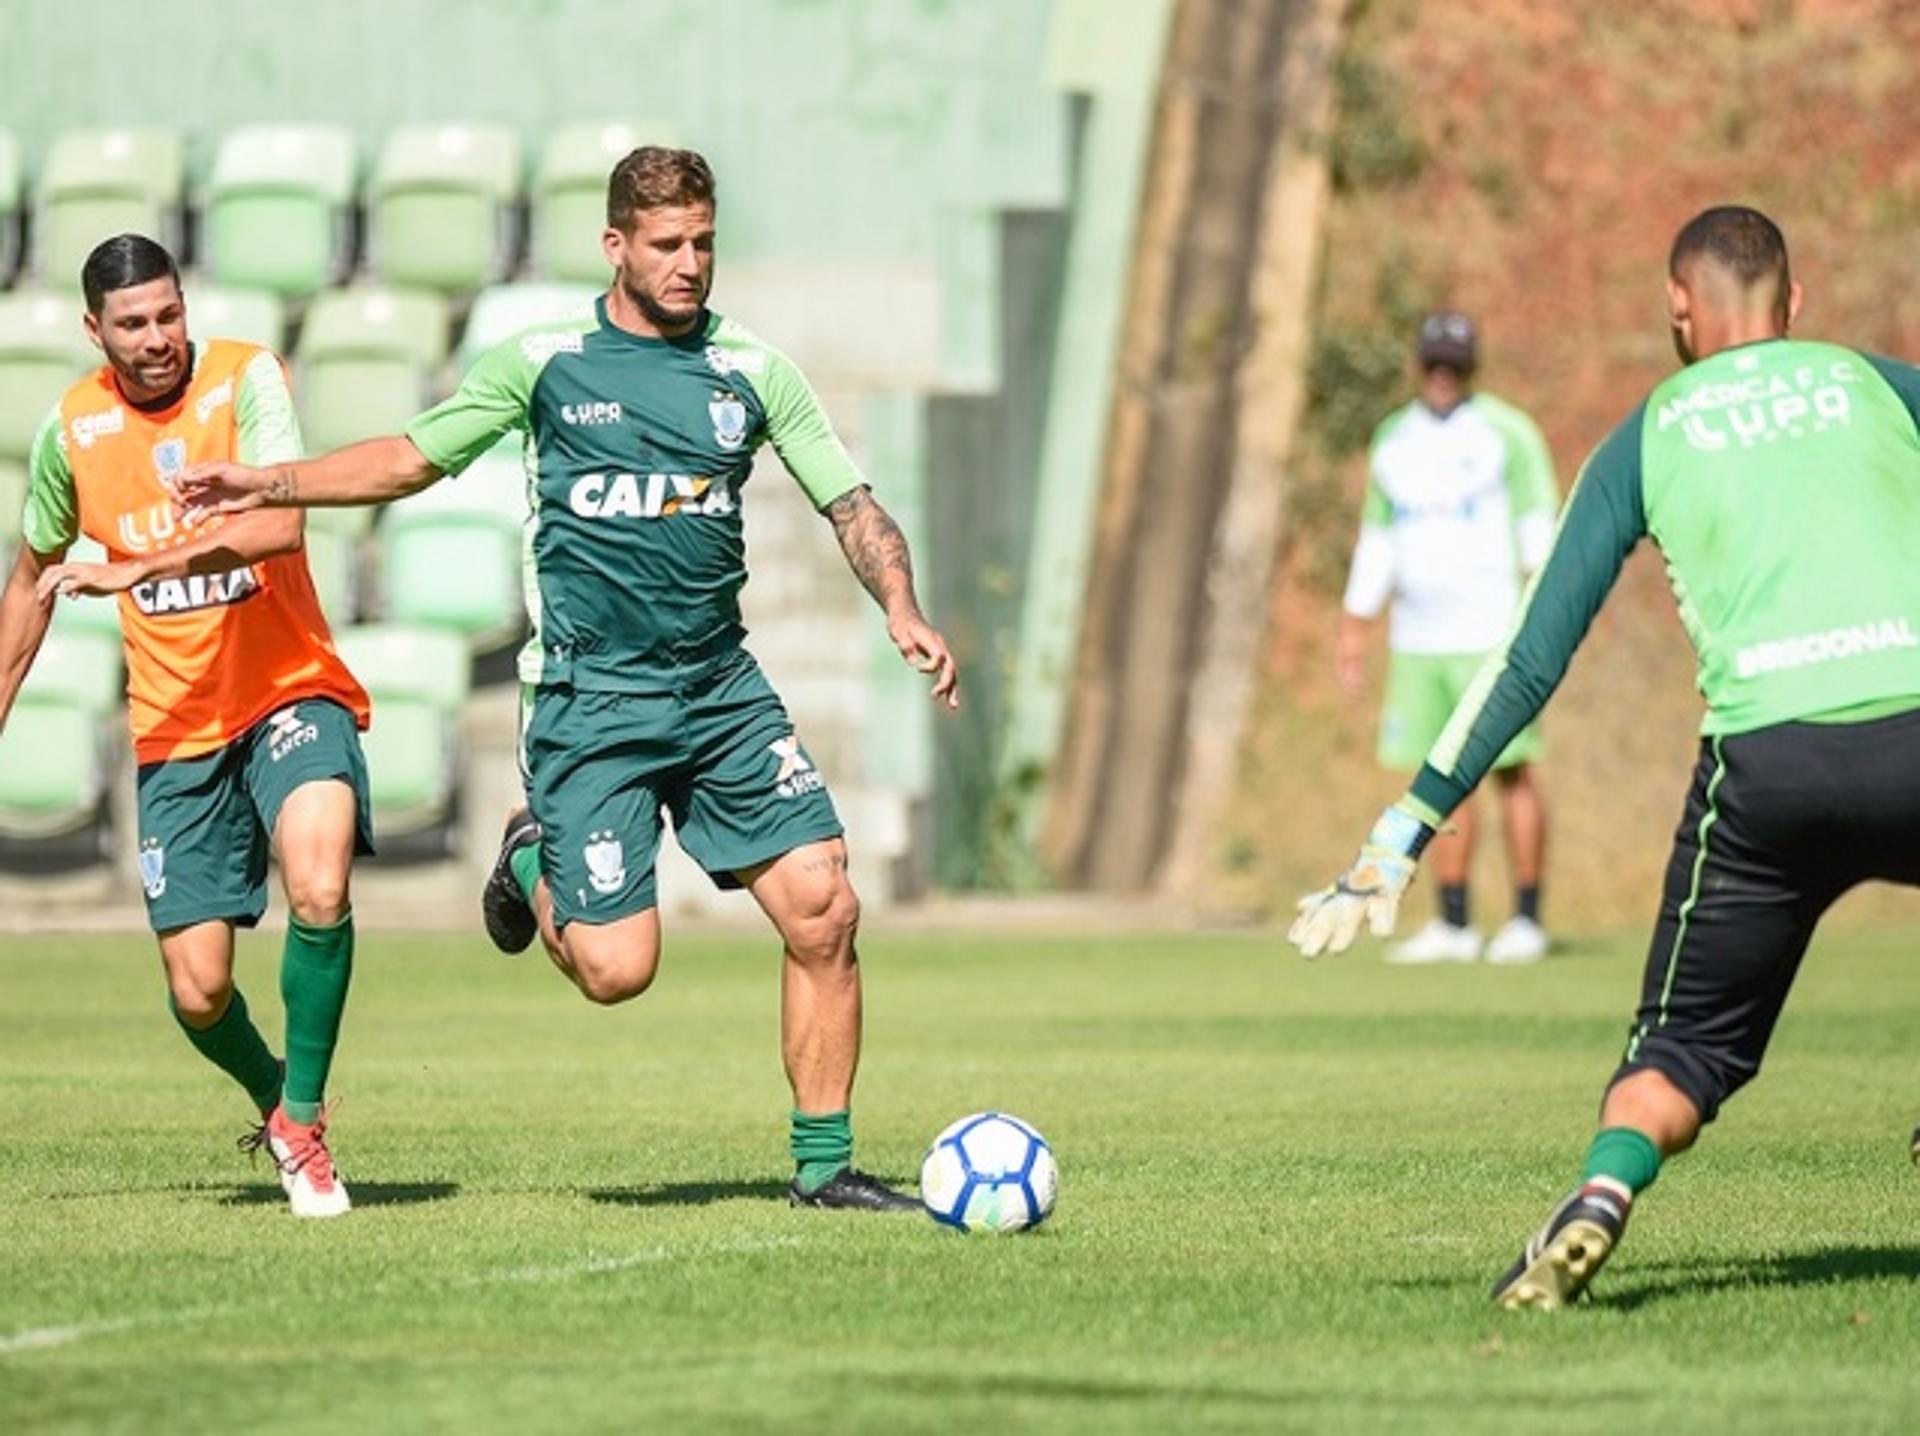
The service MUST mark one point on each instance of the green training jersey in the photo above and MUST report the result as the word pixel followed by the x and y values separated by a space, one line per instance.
pixel 1781 481
pixel 637 450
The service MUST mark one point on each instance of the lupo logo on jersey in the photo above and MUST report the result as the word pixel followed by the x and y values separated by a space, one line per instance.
pixel 1763 408
pixel 287 730
pixel 797 774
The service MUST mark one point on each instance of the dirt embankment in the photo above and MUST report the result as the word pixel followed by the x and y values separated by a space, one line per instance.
pixel 1529 162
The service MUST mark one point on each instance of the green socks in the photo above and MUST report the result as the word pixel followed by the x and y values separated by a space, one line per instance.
pixel 235 1046
pixel 315 967
pixel 822 1147
pixel 1623 1155
pixel 525 864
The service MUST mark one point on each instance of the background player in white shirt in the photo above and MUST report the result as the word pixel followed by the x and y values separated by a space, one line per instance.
pixel 1460 507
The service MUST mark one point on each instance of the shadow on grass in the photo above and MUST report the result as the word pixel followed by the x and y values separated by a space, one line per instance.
pixel 688 1194
pixel 969 1385
pixel 1822 1266
pixel 1627 1285
pixel 364 1194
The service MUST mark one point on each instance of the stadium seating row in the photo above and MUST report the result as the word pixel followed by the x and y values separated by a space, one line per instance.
pixel 441 572
pixel 278 210
pixel 50 785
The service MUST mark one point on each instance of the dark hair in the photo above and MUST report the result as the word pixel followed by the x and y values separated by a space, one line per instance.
pixel 1743 241
pixel 655 177
pixel 121 263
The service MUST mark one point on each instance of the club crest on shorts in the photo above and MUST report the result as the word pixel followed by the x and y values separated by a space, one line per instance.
pixel 797 774
pixel 606 862
pixel 170 458
pixel 153 868
pixel 729 420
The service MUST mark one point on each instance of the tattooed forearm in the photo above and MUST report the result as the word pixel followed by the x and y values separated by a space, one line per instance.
pixel 284 487
pixel 876 550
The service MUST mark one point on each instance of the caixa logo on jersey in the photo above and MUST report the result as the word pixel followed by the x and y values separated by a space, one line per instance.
pixel 648 496
pixel 160 597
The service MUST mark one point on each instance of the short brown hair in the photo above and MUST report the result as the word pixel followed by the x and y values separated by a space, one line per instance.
pixel 655 177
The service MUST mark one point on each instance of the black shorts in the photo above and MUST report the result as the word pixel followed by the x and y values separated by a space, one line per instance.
pixel 1779 823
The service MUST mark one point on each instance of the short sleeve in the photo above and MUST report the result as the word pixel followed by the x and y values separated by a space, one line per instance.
pixel 52 518
pixel 802 436
pixel 492 401
pixel 263 412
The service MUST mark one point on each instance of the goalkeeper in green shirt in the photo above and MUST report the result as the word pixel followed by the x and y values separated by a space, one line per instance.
pixel 1781 481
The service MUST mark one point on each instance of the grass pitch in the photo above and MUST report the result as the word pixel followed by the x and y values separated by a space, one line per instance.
pixel 1286 1188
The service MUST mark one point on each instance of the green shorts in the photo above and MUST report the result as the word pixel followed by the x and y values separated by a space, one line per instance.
pixel 720 756
pixel 1422 691
pixel 206 823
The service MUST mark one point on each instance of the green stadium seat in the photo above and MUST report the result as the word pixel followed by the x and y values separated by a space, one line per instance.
pixel 10 208
pixel 570 196
pixel 504 310
pixel 365 359
pixel 418 679
pixel 42 350
pixel 51 784
pixel 450 556
pixel 332 559
pixel 93 617
pixel 441 206
pixel 99 183
pixel 278 208
pixel 256 315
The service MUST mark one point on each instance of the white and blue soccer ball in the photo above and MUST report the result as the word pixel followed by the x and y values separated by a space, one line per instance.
pixel 989 1173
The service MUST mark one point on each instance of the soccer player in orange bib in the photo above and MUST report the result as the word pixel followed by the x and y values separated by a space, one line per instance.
pixel 245 722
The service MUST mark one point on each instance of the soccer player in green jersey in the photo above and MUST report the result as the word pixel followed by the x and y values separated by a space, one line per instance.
pixel 641 423
pixel 1781 480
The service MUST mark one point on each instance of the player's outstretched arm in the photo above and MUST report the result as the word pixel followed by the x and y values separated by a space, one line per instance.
pixel 241 540
pixel 374 471
pixel 877 553
pixel 23 623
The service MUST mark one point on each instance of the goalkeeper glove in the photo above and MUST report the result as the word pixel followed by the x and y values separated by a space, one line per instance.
pixel 1330 919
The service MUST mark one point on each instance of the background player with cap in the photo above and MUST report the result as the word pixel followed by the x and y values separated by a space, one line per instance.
pixel 1459 509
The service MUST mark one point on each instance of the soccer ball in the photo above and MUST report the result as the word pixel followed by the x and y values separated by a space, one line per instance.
pixel 989 1173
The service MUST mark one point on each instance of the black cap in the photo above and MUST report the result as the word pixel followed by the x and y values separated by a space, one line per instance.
pixel 1448 337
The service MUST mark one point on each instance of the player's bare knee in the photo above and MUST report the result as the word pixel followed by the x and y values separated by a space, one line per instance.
pixel 820 933
pixel 608 974
pixel 201 1001
pixel 318 899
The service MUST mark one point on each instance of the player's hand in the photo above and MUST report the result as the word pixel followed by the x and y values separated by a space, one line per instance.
pixel 1350 665
pixel 221 487
pixel 1369 891
pixel 922 646
pixel 79 580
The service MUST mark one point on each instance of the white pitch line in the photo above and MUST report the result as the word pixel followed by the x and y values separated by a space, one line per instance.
pixel 604 1265
pixel 42 1338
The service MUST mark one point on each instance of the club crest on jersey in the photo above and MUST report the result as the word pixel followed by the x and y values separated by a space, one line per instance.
pixel 153 868
pixel 606 862
pixel 797 774
pixel 170 458
pixel 729 420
